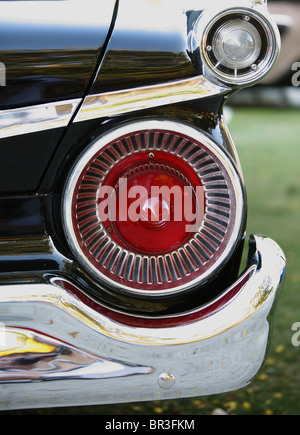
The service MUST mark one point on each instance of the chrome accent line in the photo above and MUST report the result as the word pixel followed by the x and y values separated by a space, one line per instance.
pixel 212 355
pixel 41 117
pixel 130 100
pixel 31 119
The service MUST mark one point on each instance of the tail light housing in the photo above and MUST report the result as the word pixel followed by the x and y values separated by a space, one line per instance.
pixel 153 208
pixel 238 46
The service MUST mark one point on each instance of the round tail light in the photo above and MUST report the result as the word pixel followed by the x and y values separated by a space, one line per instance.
pixel 153 207
pixel 238 46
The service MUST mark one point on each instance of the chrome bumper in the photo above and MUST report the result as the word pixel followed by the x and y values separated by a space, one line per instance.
pixel 56 351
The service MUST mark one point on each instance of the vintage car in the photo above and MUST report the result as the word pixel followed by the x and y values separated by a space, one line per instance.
pixel 123 206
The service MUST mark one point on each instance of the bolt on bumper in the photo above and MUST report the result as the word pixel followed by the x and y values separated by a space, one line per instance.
pixel 56 351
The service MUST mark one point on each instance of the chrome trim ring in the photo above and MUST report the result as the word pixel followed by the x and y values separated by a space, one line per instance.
pixel 205 29
pixel 206 249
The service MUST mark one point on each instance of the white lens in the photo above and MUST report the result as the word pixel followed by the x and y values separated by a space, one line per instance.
pixel 237 44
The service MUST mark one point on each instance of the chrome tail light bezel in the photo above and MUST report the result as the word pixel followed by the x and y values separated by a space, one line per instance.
pixel 236 225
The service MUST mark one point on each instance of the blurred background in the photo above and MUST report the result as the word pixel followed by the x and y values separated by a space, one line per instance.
pixel 281 87
pixel 265 126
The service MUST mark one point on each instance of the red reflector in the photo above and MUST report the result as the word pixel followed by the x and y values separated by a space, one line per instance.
pixel 153 206
pixel 145 211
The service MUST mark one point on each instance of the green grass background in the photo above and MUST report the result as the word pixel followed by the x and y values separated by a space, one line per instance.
pixel 268 144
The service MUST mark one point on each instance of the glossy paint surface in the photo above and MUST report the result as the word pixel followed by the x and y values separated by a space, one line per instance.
pixel 148 46
pixel 50 48
pixel 24 159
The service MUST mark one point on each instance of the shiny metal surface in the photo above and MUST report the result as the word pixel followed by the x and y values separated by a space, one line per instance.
pixel 146 97
pixel 207 25
pixel 215 354
pixel 41 117
pixel 47 116
pixel 29 355
pixel 114 100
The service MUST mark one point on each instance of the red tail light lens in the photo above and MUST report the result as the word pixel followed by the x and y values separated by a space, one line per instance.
pixel 153 207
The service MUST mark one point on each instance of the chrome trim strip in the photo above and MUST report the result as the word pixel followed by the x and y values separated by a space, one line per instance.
pixel 215 354
pixel 130 100
pixel 41 117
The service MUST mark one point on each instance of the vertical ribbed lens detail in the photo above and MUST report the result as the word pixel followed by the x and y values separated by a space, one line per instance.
pixel 153 207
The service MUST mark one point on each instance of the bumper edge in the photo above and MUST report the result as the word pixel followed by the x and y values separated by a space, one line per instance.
pixel 56 351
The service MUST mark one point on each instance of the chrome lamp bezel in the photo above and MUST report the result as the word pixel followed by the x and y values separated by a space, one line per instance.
pixel 263 22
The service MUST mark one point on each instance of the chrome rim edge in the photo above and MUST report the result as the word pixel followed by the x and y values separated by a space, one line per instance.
pixel 126 129
pixel 257 294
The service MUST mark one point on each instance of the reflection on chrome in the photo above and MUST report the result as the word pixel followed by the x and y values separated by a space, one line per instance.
pixel 42 117
pixel 92 358
pixel 129 100
pixel 36 118
pixel 29 355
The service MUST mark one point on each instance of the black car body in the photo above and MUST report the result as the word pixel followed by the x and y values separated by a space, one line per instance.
pixel 96 94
